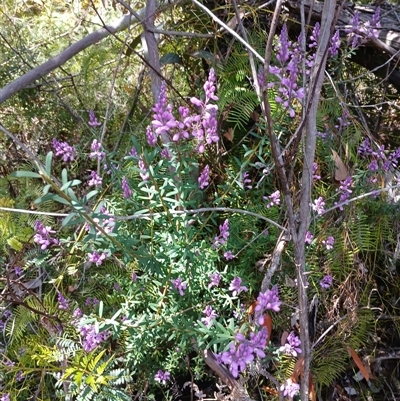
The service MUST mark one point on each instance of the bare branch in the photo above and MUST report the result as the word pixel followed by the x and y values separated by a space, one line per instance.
pixel 57 61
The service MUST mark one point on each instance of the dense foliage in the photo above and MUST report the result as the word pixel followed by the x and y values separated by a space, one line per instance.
pixel 145 245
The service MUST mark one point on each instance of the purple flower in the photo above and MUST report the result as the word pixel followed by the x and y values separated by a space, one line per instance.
pixel 239 356
pixel 92 301
pixel 326 281
pixel 314 36
pixel 95 180
pixel 274 199
pixel 162 377
pixel 373 166
pixel 292 347
pixel 290 389
pixel 319 205
pixel 315 169
pixel 365 148
pixel 223 236
pixel 64 149
pixel 151 138
pixel 215 279
pixel 5 397
pixel 335 44
pixel 309 237
pixel 43 235
pixel 164 120
pixel 133 152
pixel 95 150
pixel 165 154
pixel 19 376
pixel 345 191
pixel 143 170
pixel 63 303
pixel 236 286
pixel 245 181
pixel 329 242
pixel 126 190
pixel 97 258
pixel 93 120
pixel 204 177
pixel 77 314
pixel 179 285
pixel 267 300
pixel 134 277
pixel 18 271
pixel 211 314
pixel 228 255
pixel 90 338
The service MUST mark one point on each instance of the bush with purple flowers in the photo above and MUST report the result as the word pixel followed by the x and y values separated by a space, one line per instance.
pixel 174 240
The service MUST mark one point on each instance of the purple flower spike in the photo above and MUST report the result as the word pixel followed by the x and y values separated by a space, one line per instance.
pixel 93 120
pixel 126 191
pixel 63 149
pixel 215 279
pixel 162 377
pixel 97 258
pixel 179 285
pixel 268 300
pixel 273 199
pixel 326 281
pixel 43 235
pixel 223 236
pixel 236 286
pixel 204 177
pixel 319 205
pixel 329 242
pixel 290 389
pixel 63 303
pixel 211 314
pixel 96 151
pixel 292 347
pixel 96 180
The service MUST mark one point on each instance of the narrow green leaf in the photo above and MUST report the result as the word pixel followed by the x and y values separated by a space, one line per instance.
pixel 28 174
pixel 64 176
pixel 49 159
pixel 69 184
pixel 89 196
pixel 170 58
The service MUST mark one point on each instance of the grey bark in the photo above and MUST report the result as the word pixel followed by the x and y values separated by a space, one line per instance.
pixel 57 61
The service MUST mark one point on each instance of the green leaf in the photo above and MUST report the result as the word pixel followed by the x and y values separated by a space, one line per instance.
pixel 72 219
pixel 170 58
pixel 132 46
pixel 64 176
pixel 46 189
pixel 204 54
pixel 49 159
pixel 69 184
pixel 29 174
pixel 89 196
pixel 53 197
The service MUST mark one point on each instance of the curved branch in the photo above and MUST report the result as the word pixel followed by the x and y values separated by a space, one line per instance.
pixel 57 61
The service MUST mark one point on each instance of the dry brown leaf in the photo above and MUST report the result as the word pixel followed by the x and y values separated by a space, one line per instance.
pixel 341 172
pixel 268 324
pixel 251 309
pixel 298 370
pixel 358 362
pixel 284 336
pixel 311 389
pixel 229 134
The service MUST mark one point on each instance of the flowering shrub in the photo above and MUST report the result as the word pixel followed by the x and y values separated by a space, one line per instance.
pixel 155 259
